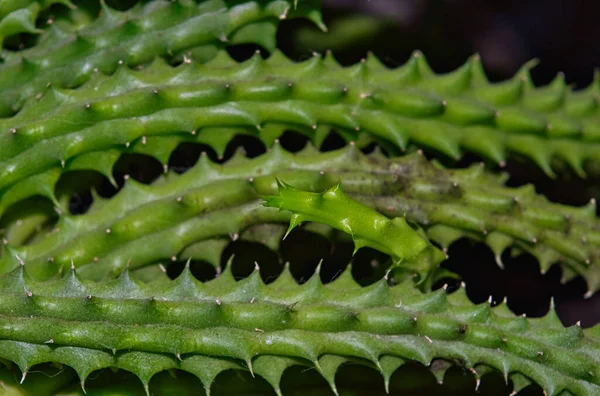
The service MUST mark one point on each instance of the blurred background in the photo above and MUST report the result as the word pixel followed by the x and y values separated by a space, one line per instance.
pixel 562 34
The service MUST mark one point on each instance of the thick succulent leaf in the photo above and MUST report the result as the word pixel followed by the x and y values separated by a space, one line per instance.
pixel 206 328
pixel 298 379
pixel 66 57
pixel 144 224
pixel 128 109
pixel 336 209
pixel 409 250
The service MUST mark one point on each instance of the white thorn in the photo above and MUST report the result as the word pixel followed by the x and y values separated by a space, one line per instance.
pixel 387 275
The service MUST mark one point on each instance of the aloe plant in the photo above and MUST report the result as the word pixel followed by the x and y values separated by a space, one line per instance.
pixel 81 293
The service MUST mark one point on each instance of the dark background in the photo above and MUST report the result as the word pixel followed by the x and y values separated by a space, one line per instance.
pixel 563 34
